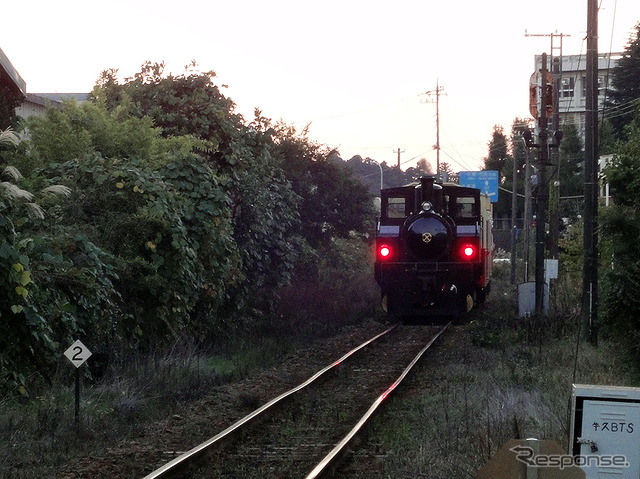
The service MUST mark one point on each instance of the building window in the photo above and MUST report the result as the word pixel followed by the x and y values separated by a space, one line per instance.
pixel 601 86
pixel 568 87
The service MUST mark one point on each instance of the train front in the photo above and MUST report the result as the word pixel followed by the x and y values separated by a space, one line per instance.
pixel 429 257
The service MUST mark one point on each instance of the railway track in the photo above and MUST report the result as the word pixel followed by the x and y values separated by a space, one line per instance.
pixel 302 432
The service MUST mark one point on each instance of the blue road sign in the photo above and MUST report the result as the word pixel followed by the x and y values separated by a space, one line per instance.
pixel 485 181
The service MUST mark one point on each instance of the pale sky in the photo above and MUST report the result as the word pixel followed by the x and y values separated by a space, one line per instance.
pixel 354 70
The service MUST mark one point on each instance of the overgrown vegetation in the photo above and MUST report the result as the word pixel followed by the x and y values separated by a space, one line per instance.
pixel 503 378
pixel 184 222
pixel 620 232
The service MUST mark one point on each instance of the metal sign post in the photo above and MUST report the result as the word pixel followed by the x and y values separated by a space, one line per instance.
pixel 77 353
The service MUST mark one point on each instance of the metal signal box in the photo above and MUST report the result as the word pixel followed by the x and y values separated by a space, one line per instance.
pixel 605 431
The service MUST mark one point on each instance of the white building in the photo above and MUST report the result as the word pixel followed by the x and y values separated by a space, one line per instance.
pixel 37 103
pixel 573 86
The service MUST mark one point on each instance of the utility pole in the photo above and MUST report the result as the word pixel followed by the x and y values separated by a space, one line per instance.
pixel 556 68
pixel 398 151
pixel 514 207
pixel 542 191
pixel 527 212
pixel 590 271
pixel 542 82
pixel 439 89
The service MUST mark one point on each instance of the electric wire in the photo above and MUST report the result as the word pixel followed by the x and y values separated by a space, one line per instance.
pixel 606 81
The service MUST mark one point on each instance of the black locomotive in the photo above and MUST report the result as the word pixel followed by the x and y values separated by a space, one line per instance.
pixel 434 248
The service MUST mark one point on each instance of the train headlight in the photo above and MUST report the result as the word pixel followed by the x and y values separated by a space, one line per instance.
pixel 426 206
pixel 468 251
pixel 384 251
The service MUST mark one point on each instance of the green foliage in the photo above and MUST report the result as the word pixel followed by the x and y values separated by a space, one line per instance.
pixel 334 202
pixel 262 203
pixel 59 137
pixel 74 287
pixel 187 104
pixel 368 171
pixel 169 233
pixel 25 335
pixel 182 219
pixel 625 95
pixel 498 152
pixel 79 129
pixel 571 170
pixel 621 287
pixel 332 287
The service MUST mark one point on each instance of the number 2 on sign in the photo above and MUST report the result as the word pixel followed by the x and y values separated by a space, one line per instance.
pixel 77 356
pixel 77 353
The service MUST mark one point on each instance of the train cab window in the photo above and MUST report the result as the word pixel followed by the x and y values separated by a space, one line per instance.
pixel 396 207
pixel 466 207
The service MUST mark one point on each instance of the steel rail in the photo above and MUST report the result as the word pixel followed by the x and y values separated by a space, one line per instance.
pixel 339 448
pixel 182 460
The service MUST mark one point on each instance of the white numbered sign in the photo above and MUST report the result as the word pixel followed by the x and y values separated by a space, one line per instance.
pixel 77 353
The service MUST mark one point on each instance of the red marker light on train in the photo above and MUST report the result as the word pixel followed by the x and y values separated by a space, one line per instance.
pixel 468 251
pixel 384 251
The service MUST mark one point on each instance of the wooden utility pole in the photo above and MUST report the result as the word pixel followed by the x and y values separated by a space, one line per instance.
pixel 514 207
pixel 527 212
pixel 590 271
pixel 542 190
pixel 439 89
pixel 399 152
pixel 554 203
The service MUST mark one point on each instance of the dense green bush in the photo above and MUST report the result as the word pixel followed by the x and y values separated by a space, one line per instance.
pixel 26 336
pixel 620 231
pixel 182 220
pixel 168 231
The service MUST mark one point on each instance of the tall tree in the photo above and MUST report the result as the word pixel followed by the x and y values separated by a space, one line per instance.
pixel 621 230
pixel 263 205
pixel 624 98
pixel 570 169
pixel 498 151
pixel 334 202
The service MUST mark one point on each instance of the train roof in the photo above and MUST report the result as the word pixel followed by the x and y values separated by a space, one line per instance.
pixel 448 184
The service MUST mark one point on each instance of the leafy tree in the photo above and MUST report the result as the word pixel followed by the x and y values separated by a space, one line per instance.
pixel 169 233
pixel 624 97
pixel 187 104
pixel 81 129
pixel 620 227
pixel 334 203
pixel 498 159
pixel 368 171
pixel 26 333
pixel 394 176
pixel 570 168
pixel 262 202
pixel 498 152
pixel 160 214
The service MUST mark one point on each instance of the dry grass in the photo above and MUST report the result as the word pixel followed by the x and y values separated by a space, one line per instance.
pixel 502 378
